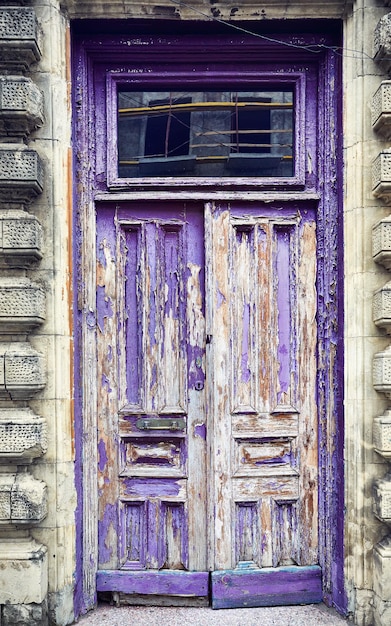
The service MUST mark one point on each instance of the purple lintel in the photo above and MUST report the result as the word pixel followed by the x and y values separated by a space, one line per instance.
pixel 266 587
pixel 162 582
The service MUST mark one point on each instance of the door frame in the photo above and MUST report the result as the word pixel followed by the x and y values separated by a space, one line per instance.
pixel 86 50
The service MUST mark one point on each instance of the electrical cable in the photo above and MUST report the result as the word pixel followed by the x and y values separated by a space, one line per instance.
pixel 313 48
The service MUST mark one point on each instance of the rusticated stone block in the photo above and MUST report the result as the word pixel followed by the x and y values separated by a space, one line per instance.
pixel 381 242
pixel 22 371
pixel 382 569
pixel 382 43
pixel 381 176
pixel 20 239
pixel 19 45
pixel 382 434
pixel 23 572
pixel 21 174
pixel 381 307
pixel 23 614
pixel 381 110
pixel 22 305
pixel 28 500
pixel 382 499
pixel 382 372
pixel 21 107
pixel 23 436
pixel 23 500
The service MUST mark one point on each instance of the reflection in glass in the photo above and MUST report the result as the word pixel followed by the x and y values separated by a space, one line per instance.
pixel 203 134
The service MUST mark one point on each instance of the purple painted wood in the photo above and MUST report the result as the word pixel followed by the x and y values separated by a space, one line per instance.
pixel 159 583
pixel 90 56
pixel 283 271
pixel 267 587
pixel 331 346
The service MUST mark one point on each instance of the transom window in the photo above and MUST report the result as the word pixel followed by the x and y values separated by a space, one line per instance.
pixel 206 133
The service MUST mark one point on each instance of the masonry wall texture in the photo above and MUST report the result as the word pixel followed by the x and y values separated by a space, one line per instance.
pixel 37 454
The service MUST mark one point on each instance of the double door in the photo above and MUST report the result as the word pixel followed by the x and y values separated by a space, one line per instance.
pixel 207 413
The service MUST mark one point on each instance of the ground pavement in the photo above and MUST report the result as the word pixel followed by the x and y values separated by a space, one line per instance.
pixel 312 615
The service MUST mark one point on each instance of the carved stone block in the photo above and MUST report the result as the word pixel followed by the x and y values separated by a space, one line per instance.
pixel 382 499
pixel 23 436
pixel 23 572
pixel 19 45
pixel 381 176
pixel 21 175
pixel 22 305
pixel 23 500
pixel 28 500
pixel 20 239
pixel 381 110
pixel 381 307
pixel 22 371
pixel 21 107
pixel 382 569
pixel 382 372
pixel 382 43
pixel 382 434
pixel 381 242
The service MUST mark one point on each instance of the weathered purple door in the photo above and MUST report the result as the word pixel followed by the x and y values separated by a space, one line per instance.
pixel 264 424
pixel 208 430
pixel 152 417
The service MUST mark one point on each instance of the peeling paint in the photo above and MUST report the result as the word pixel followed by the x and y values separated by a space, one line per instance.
pixel 263 309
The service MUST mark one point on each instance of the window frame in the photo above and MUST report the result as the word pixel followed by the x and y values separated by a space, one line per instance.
pixel 201 80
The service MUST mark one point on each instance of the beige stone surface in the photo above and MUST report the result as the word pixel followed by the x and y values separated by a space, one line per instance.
pixel 23 571
pixel 268 9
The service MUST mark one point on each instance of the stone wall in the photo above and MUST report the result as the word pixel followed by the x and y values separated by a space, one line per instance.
pixel 37 502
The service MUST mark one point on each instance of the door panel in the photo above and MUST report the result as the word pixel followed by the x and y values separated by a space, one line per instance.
pixel 152 443
pixel 262 317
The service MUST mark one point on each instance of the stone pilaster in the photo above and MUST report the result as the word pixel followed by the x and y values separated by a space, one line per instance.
pixel 381 186
pixel 23 434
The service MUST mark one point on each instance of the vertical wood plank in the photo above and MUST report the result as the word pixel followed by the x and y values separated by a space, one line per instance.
pixel 109 250
pixel 173 362
pixel 198 417
pixel 264 314
pixel 307 366
pixel 222 379
pixel 242 279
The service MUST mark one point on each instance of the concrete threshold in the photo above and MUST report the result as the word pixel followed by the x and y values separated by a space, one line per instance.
pixel 309 615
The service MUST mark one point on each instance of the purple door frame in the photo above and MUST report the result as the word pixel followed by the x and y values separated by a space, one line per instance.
pixel 315 45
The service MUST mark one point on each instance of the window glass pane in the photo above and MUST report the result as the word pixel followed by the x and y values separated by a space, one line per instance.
pixel 218 133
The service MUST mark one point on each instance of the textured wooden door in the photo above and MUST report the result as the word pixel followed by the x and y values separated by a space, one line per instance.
pixel 261 264
pixel 208 431
pixel 152 429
